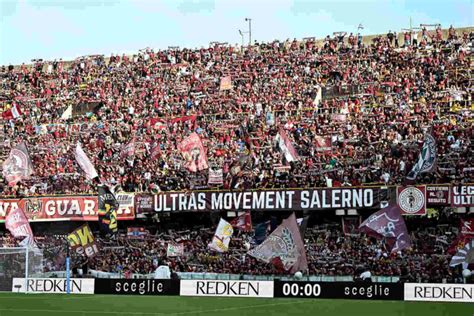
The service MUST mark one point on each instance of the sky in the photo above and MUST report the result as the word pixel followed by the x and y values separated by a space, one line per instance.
pixel 53 29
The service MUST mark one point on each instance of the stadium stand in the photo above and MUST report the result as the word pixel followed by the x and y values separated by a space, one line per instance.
pixel 356 113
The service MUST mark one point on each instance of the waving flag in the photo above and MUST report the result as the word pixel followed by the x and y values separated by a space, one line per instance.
pixel 17 223
pixel 322 143
pixel 155 150
pixel 175 250
pixel 193 152
pixel 82 241
pixel 464 255
pixel 284 247
pixel 67 114
pixel 243 222
pixel 286 147
pixel 426 160
pixel 260 233
pixel 12 113
pixel 220 241
pixel 388 223
pixel 128 150
pixel 84 162
pixel 107 209
pixel 18 165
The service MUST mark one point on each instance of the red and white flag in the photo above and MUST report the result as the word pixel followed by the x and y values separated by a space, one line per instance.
pixel 286 147
pixel 243 222
pixel 284 247
pixel 85 163
pixel 18 165
pixel 193 152
pixel 128 150
pixel 12 113
pixel 17 223
pixel 323 143
pixel 155 150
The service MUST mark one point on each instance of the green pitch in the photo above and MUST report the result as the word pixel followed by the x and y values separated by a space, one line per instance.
pixel 100 305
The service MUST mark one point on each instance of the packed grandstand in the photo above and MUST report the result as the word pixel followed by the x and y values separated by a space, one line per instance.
pixel 308 118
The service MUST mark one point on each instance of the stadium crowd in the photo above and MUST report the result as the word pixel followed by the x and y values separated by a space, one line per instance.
pixel 330 252
pixel 374 101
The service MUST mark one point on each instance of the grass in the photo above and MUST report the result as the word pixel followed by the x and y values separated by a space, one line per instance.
pixel 109 305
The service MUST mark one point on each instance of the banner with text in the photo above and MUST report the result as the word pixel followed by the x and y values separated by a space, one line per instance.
pixel 272 200
pixel 436 292
pixel 49 285
pixel 137 287
pixel 226 288
pixel 437 195
pixel 65 208
pixel 462 195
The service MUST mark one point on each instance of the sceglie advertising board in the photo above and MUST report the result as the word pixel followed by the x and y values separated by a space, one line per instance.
pixel 272 200
pixel 137 286
pixel 437 292
pixel 339 290
pixel 64 208
pixel 50 285
pixel 226 288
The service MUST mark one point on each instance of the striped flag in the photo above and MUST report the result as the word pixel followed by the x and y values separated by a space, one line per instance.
pixel 85 163
pixel 286 147
pixel 17 223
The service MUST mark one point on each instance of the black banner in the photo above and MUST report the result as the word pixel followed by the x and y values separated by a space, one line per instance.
pixel 272 200
pixel 143 204
pixel 344 290
pixel 137 286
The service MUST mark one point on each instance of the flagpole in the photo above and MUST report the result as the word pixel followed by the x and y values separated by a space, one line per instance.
pixel 68 273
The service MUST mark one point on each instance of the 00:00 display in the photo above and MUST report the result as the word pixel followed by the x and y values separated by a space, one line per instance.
pixel 294 289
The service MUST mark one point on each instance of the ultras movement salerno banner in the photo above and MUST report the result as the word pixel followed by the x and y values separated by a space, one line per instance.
pixel 310 199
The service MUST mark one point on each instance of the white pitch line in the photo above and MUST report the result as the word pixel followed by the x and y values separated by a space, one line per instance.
pixel 156 313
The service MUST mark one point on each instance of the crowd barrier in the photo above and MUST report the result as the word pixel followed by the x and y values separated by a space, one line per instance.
pixel 434 292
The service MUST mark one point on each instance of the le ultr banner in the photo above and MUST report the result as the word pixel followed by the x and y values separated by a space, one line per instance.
pixel 66 208
pixel 462 195
pixel 272 200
